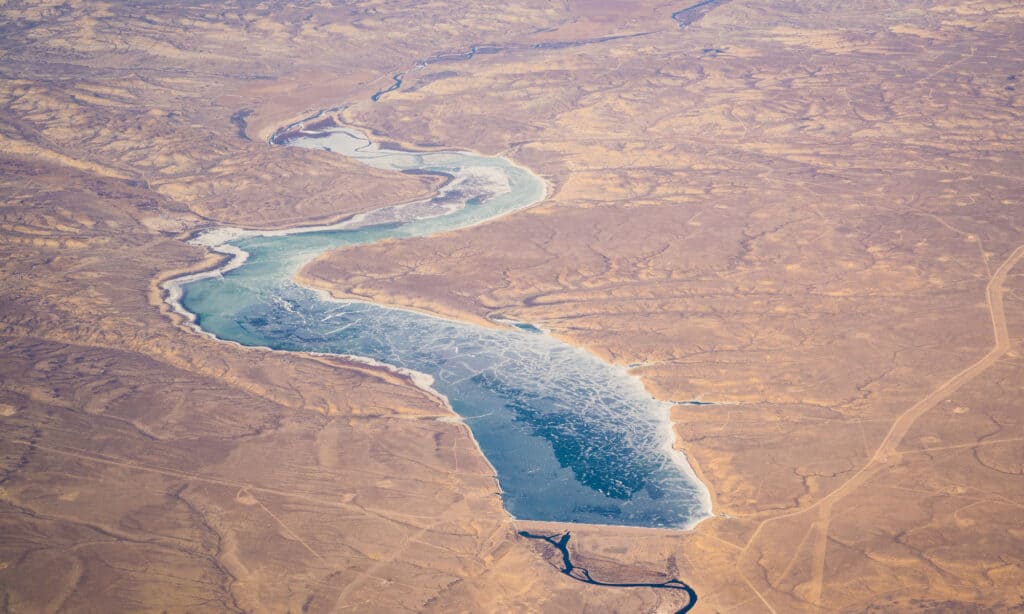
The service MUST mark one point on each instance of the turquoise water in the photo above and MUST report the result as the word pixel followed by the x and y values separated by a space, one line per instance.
pixel 571 438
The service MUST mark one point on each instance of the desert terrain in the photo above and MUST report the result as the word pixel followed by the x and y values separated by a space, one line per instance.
pixel 806 215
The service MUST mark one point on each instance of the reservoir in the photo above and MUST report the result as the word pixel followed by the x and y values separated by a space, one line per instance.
pixel 572 438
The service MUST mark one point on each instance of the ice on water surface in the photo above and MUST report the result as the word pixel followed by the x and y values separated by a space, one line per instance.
pixel 572 438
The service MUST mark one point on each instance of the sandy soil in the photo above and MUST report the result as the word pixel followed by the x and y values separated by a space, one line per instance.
pixel 808 213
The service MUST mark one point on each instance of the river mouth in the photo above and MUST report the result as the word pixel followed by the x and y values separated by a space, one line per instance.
pixel 571 438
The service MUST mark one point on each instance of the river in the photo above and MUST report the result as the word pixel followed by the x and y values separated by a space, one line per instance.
pixel 571 438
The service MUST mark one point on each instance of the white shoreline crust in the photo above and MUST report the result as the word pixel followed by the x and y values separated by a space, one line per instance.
pixel 218 240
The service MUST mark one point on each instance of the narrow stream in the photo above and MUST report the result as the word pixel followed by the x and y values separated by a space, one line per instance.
pixel 582 574
pixel 571 438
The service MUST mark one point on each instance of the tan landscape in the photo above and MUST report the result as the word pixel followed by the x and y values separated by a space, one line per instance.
pixel 806 214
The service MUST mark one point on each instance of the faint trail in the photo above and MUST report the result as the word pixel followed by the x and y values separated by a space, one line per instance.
pixel 183 475
pixel 287 530
pixel 389 559
pixel 984 256
pixel 976 444
pixel 818 555
pixel 582 574
pixel 796 552
pixel 357 511
pixel 945 68
pixel 128 464
pixel 887 450
pixel 757 592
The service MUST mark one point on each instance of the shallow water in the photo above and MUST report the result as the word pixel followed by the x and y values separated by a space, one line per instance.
pixel 572 438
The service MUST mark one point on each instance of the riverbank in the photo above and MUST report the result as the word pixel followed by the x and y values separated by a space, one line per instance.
pixel 617 489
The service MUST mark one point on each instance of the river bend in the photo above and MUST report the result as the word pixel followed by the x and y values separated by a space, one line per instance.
pixel 572 438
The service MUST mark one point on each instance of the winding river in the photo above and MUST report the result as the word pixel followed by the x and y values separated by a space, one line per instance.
pixel 582 574
pixel 571 438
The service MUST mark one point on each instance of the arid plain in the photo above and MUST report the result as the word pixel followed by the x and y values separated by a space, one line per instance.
pixel 806 214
